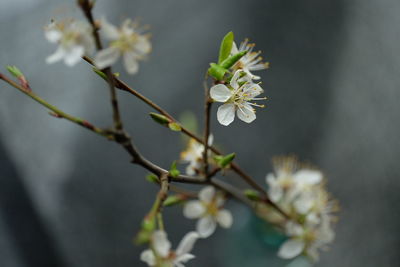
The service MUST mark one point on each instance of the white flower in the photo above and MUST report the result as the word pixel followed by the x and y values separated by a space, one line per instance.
pixel 299 191
pixel 128 41
pixel 194 155
pixel 237 98
pixel 249 62
pixel 74 40
pixel 208 209
pixel 308 238
pixel 161 254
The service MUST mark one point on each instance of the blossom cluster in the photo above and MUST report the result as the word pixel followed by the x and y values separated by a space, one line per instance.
pixel 296 196
pixel 241 90
pixel 75 40
pixel 299 190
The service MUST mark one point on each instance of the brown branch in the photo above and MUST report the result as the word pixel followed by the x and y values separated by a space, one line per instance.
pixel 86 7
pixel 234 166
pixel 207 109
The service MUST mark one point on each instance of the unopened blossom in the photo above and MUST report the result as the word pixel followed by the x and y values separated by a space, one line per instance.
pixel 194 155
pixel 161 254
pixel 251 61
pixel 128 41
pixel 237 97
pixel 209 212
pixel 74 39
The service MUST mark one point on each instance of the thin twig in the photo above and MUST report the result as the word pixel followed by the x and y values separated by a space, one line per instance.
pixel 87 7
pixel 56 111
pixel 207 109
pixel 234 166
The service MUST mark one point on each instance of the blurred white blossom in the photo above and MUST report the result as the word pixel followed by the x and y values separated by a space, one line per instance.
pixel 194 155
pixel 160 253
pixel 208 209
pixel 74 39
pixel 250 61
pixel 128 41
pixel 299 191
pixel 237 98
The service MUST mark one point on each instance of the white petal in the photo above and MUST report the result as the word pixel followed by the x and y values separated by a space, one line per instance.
pixel 183 258
pixel 193 209
pixel 53 36
pixel 234 81
pixel 207 194
pixel 130 62
pixel 226 114
pixel 234 49
pixel 293 229
pixel 304 203
pixel 109 30
pixel 148 257
pixel 246 113
pixel 187 243
pixel 308 177
pixel 275 192
pixel 106 57
pixel 74 55
pixel 291 249
pixel 252 89
pixel 224 218
pixel 143 45
pixel 220 93
pixel 161 243
pixel 56 56
pixel 206 226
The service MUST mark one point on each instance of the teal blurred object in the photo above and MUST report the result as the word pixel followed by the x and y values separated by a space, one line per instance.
pixel 255 243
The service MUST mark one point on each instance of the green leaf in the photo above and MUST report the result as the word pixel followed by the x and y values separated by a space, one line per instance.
pixel 152 178
pixel 143 237
pixel 217 71
pixel 230 61
pixel 174 172
pixel 161 119
pixel 226 47
pixel 174 200
pixel 224 161
pixel 175 126
pixel 100 73
pixel 252 195
pixel 15 71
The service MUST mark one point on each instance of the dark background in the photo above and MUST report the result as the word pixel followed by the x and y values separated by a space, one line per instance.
pixel 69 198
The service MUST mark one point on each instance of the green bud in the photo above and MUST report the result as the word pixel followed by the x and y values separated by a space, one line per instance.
pixel 143 237
pixel 174 200
pixel 15 71
pixel 175 126
pixel 100 73
pixel 217 71
pixel 230 61
pixel 174 172
pixel 161 119
pixel 152 178
pixel 252 195
pixel 226 47
pixel 149 223
pixel 224 161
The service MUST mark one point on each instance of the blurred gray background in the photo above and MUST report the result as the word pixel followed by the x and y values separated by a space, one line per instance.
pixel 69 198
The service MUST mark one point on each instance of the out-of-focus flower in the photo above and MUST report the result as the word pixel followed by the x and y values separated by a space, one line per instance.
pixel 299 191
pixel 249 62
pixel 208 209
pixel 160 253
pixel 128 41
pixel 74 39
pixel 237 98
pixel 194 155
